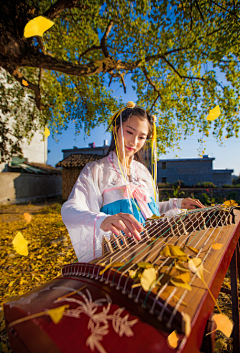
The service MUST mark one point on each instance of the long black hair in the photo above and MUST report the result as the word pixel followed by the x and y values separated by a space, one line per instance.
pixel 126 114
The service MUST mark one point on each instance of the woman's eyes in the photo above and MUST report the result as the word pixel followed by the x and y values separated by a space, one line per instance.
pixel 142 138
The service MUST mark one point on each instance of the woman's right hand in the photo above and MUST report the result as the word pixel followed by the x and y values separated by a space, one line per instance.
pixel 122 222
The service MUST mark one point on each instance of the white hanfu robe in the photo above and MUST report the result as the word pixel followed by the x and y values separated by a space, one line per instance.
pixel 100 191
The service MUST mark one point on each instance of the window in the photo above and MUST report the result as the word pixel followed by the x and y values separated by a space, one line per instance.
pixel 164 165
pixel 164 180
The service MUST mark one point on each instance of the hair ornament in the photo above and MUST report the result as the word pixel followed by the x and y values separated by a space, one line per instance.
pixel 130 104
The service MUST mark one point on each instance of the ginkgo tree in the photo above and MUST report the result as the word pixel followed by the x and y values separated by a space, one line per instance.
pixel 182 58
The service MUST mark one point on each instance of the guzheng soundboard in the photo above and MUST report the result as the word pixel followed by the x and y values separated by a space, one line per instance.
pixel 107 313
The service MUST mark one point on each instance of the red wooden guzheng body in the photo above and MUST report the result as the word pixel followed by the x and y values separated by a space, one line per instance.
pixel 106 314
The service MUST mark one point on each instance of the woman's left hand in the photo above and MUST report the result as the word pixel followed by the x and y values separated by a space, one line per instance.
pixel 189 204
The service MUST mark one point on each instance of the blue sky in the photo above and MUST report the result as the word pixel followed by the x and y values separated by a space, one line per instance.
pixel 226 156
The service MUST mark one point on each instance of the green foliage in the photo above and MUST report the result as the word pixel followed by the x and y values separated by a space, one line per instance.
pixel 206 184
pixel 173 52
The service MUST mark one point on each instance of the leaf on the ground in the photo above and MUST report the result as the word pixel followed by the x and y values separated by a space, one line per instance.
pixel 25 83
pixel 172 339
pixel 214 113
pixel 27 217
pixel 20 244
pixel 174 251
pixel 46 132
pixel 148 278
pixel 224 324
pixel 217 246
pixel 112 264
pixel 56 314
pixel 37 26
pixel 144 264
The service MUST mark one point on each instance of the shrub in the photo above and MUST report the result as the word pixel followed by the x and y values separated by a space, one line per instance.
pixel 206 184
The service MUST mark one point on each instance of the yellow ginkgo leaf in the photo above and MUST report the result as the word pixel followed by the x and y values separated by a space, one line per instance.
pixel 182 280
pixel 172 339
pixel 57 313
pixel 214 113
pixel 27 217
pixel 37 26
pixel 174 251
pixel 46 132
pixel 217 246
pixel 25 83
pixel 112 264
pixel 196 251
pixel 186 323
pixel 224 324
pixel 144 264
pixel 195 265
pixel 180 267
pixel 230 203
pixel 20 244
pixel 148 278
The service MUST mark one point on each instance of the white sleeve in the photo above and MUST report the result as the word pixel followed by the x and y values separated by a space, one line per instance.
pixel 170 207
pixel 82 217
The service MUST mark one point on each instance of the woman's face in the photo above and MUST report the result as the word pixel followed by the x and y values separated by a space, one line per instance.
pixel 135 132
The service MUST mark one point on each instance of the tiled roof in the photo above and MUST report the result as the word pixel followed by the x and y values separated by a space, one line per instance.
pixel 45 167
pixel 78 160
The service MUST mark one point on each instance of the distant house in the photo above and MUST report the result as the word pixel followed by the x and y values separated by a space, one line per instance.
pixel 101 150
pixel 192 171
pixel 71 168
pixel 29 178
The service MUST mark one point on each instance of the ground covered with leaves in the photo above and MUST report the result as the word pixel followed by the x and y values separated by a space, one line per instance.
pixel 50 249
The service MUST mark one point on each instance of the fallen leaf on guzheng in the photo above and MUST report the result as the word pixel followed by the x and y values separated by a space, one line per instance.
pixel 25 83
pixel 46 132
pixel 133 273
pixel 148 278
pixel 195 265
pixel 37 27
pixel 172 339
pixel 181 281
pixel 230 203
pixel 217 246
pixel 174 251
pixel 196 251
pixel 224 324
pixel 112 264
pixel 144 264
pixel 180 267
pixel 214 113
pixel 20 244
pixel 27 217
pixel 57 313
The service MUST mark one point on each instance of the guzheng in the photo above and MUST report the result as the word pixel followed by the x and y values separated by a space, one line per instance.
pixel 109 311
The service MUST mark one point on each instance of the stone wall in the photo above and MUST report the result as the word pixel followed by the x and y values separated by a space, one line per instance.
pixel 21 187
pixel 69 177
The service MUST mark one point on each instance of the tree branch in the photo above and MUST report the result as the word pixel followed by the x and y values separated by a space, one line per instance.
pixel 223 8
pixel 61 5
pixel 25 83
pixel 199 10
pixel 181 76
pixel 94 47
pixel 103 40
pixel 150 81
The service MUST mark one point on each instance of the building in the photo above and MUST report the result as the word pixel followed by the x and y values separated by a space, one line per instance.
pixel 192 171
pixel 29 178
pixel 71 168
pixel 102 150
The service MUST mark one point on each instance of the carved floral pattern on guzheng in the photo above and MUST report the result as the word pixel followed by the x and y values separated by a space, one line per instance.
pixel 97 311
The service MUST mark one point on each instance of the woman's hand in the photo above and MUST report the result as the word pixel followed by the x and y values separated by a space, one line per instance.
pixel 122 221
pixel 189 204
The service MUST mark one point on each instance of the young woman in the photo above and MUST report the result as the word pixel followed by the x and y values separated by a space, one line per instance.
pixel 117 192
